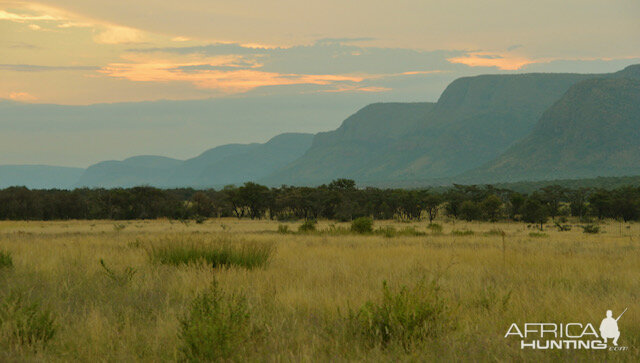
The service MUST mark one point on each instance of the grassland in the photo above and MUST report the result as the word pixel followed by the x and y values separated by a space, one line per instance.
pixel 108 295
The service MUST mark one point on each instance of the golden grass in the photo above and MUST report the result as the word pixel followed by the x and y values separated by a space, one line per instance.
pixel 299 301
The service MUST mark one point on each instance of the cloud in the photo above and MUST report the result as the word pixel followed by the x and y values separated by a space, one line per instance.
pixel 487 59
pixel 180 39
pixel 114 34
pixel 36 15
pixel 38 68
pixel 22 96
pixel 222 78
pixel 323 57
pixel 22 18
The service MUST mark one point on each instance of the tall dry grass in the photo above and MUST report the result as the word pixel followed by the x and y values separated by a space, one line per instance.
pixel 321 295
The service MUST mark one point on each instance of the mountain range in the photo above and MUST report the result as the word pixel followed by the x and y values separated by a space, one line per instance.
pixel 483 129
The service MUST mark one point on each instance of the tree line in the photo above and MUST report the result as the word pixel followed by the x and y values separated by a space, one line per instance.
pixel 338 200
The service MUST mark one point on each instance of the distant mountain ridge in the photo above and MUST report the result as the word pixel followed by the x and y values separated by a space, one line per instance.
pixel 483 129
pixel 222 165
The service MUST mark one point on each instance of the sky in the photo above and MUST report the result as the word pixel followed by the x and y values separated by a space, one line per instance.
pixel 85 52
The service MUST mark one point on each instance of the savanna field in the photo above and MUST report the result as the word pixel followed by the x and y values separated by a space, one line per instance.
pixel 242 290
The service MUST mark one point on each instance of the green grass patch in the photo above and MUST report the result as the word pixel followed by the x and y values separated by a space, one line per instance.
pixel 462 232
pixel 435 227
pixel 6 261
pixel 494 232
pixel 216 254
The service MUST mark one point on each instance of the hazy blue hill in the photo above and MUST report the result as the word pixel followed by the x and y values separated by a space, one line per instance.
pixel 358 146
pixel 593 130
pixel 226 164
pixel 39 176
pixel 188 173
pixel 257 162
pixel 137 170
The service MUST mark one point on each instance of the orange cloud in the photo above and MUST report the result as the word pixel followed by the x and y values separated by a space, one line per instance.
pixel 22 96
pixel 228 80
pixel 488 59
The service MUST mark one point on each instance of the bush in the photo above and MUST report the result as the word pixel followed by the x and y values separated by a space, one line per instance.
pixel 223 254
pixel 406 317
pixel 309 225
pixel 435 227
pixel 283 229
pixel 216 326
pixel 362 225
pixel 26 323
pixel 591 228
pixel 6 261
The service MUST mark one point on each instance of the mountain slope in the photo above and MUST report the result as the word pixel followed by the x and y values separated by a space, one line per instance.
pixel 475 119
pixel 38 176
pixel 593 130
pixel 357 146
pixel 189 171
pixel 257 162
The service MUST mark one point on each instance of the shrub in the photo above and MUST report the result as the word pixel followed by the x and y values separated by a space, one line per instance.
pixel 199 219
pixel 217 255
pixel 591 228
pixel 464 232
pixel 406 317
pixel 6 261
pixel 282 228
pixel 435 227
pixel 26 323
pixel 362 225
pixel 309 225
pixel 215 327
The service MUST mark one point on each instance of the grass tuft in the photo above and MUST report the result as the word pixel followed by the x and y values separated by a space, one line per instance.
pixel 25 323
pixel 215 254
pixel 406 317
pixel 463 232
pixel 216 326
pixel 309 225
pixel 6 261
